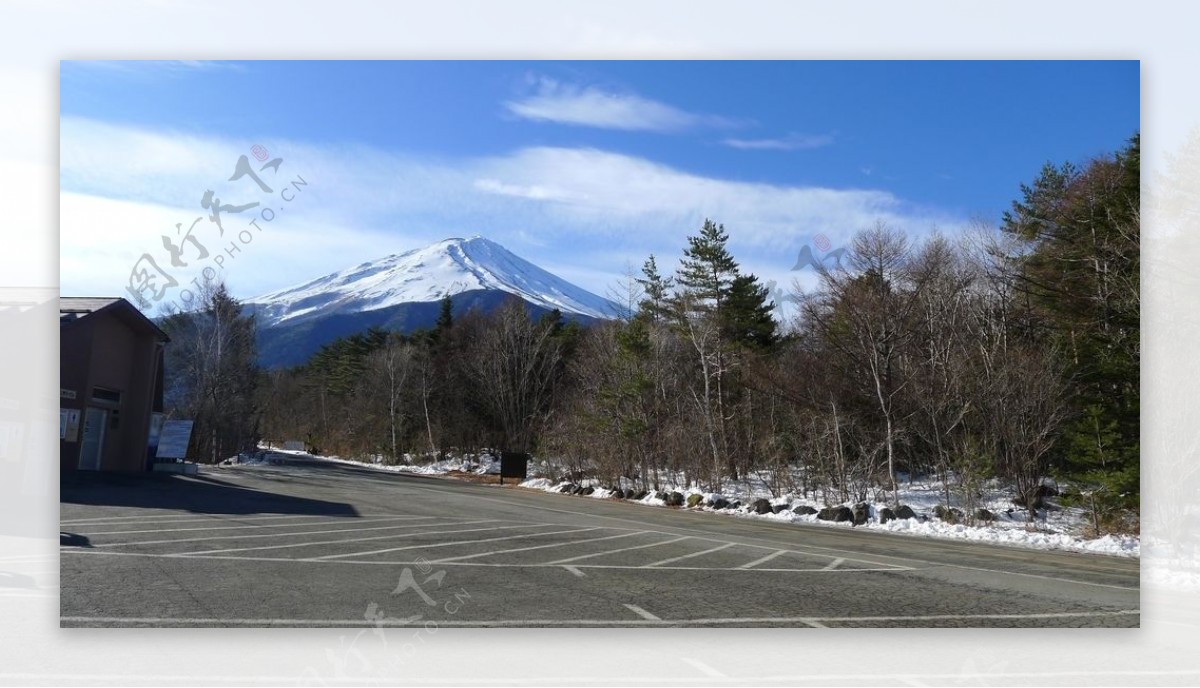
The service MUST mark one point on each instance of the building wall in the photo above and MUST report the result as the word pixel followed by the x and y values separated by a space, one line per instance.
pixel 99 350
pixel 75 345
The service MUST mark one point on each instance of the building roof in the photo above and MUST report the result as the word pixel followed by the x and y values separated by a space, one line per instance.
pixel 72 308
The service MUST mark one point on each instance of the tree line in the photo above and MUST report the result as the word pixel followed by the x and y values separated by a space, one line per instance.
pixel 1009 352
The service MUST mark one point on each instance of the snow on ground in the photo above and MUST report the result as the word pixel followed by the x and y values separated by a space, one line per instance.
pixel 481 464
pixel 1057 528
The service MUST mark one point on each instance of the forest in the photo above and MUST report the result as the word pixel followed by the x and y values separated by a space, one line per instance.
pixel 1007 352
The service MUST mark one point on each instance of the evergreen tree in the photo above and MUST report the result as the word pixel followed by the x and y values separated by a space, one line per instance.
pixel 655 304
pixel 707 270
pixel 445 319
pixel 747 314
pixel 1080 280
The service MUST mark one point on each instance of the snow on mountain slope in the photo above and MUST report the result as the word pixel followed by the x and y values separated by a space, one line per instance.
pixel 448 267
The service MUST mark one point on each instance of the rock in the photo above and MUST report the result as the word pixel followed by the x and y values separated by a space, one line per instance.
pixel 950 515
pixel 694 500
pixel 778 508
pixel 578 490
pixel 735 504
pixel 587 490
pixel 836 514
pixel 761 506
pixel 719 503
pixel 905 511
pixel 675 499
pixel 862 514
pixel 1038 495
pixel 982 514
pixel 640 494
pixel 886 514
pixel 804 510
pixel 568 488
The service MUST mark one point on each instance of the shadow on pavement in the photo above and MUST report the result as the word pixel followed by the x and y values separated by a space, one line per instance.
pixel 199 494
pixel 66 539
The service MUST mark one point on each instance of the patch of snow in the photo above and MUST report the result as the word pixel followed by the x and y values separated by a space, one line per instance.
pixel 426 275
pixel 1057 529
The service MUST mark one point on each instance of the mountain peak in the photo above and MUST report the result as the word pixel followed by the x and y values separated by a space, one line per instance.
pixel 445 268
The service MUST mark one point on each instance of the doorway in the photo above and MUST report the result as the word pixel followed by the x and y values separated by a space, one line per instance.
pixel 92 448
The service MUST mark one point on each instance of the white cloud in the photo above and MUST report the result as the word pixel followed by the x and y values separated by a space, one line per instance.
pixel 587 212
pixel 790 142
pixel 593 107
pixel 535 192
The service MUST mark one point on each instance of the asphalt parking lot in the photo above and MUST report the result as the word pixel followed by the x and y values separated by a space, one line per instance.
pixel 313 544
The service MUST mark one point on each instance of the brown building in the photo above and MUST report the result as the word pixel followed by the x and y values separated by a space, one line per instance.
pixel 111 384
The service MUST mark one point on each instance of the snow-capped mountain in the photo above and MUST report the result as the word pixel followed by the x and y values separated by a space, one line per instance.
pixel 448 267
pixel 401 292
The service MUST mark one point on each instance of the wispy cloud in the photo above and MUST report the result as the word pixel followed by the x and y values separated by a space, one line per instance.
pixel 791 142
pixel 584 211
pixel 592 106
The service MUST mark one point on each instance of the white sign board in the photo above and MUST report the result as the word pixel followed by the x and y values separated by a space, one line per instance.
pixel 68 424
pixel 173 439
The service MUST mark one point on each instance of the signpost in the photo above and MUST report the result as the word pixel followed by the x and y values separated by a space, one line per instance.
pixel 173 439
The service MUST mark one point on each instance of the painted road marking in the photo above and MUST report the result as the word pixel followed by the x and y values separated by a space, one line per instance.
pixel 446 562
pixel 614 551
pixel 642 612
pixel 257 525
pixel 362 539
pixel 273 535
pixel 553 544
pixel 448 544
pixel 763 560
pixel 576 571
pixel 672 560
pixel 645 621
pixel 181 518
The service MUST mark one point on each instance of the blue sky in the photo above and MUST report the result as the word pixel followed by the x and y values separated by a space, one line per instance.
pixel 582 167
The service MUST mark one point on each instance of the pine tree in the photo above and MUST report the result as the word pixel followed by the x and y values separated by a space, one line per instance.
pixel 655 304
pixel 747 314
pixel 1080 279
pixel 707 270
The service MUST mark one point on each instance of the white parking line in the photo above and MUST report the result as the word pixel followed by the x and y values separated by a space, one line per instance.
pixel 805 549
pixel 271 535
pixel 614 551
pixel 451 544
pixel 257 525
pixel 181 518
pixel 763 560
pixel 672 560
pixel 834 564
pixel 553 544
pixel 576 571
pixel 815 621
pixel 362 539
pixel 449 562
pixel 642 612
